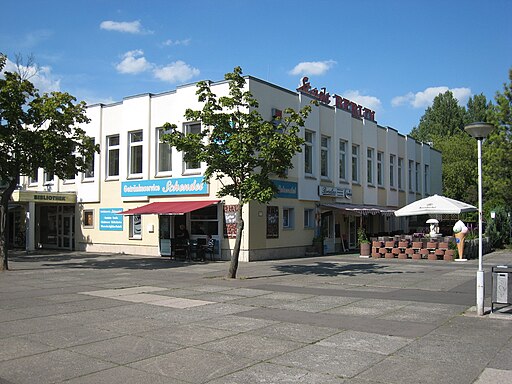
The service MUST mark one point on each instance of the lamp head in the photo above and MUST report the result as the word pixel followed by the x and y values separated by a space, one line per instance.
pixel 479 130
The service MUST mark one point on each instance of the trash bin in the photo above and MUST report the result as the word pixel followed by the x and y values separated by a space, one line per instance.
pixel 501 285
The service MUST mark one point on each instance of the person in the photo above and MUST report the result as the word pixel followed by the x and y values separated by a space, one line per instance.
pixel 208 247
pixel 183 233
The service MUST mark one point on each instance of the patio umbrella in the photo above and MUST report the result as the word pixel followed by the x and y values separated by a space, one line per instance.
pixel 435 205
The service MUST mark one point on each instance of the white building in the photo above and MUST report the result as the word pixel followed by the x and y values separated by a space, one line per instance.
pixel 351 172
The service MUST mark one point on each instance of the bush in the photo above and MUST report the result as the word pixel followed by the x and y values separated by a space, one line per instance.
pixel 498 229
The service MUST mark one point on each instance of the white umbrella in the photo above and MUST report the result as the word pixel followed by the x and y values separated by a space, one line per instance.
pixel 435 205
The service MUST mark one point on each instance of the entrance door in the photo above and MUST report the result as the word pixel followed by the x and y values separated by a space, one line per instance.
pixel 66 240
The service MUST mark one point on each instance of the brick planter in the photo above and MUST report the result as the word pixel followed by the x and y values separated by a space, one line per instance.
pixel 402 256
pixel 448 255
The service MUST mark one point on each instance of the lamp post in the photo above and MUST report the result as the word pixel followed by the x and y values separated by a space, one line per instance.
pixel 479 131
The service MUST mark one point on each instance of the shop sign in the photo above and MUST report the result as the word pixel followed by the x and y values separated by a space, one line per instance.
pixel 286 189
pixel 165 187
pixel 335 192
pixel 44 197
pixel 340 102
pixel 110 220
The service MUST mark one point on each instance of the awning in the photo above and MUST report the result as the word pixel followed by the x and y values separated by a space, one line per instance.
pixel 169 207
pixel 361 209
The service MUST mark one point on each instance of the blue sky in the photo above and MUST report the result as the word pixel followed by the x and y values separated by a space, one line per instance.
pixel 391 56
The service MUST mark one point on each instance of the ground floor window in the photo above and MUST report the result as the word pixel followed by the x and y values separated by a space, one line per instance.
pixel 136 227
pixel 204 221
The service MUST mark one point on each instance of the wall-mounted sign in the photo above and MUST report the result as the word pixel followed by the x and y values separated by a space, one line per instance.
pixel 165 187
pixel 286 189
pixel 334 192
pixel 110 220
pixel 324 97
pixel 44 197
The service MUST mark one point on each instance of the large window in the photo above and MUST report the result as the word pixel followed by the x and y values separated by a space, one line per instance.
pixel 113 156
pixel 400 173
pixel 164 153
pixel 380 169
pixel 194 128
pixel 417 177
pixel 355 163
pixel 427 178
pixel 324 156
pixel 34 177
pixel 309 138
pixel 204 221
pixel 369 165
pixel 409 175
pixel 343 160
pixel 392 170
pixel 48 177
pixel 89 170
pixel 135 231
pixel 135 160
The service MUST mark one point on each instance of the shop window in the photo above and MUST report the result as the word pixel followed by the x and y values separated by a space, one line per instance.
pixel 135 231
pixel 88 218
pixel 288 218
pixel 195 129
pixel 164 153
pixel 309 218
pixel 113 156
pixel 204 221
pixel 135 154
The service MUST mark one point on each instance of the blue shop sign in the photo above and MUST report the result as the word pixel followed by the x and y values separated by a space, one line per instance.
pixel 286 189
pixel 110 220
pixel 165 187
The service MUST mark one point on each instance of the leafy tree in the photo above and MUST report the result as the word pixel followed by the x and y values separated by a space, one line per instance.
pixel 498 228
pixel 240 148
pixel 497 151
pixel 444 118
pixel 476 109
pixel 37 131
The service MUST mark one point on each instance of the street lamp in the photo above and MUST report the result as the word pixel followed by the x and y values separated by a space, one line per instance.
pixel 479 131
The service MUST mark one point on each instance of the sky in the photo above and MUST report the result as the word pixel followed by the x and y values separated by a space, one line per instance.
pixel 392 56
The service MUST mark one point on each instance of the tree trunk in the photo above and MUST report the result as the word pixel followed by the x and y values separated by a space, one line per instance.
pixel 4 207
pixel 233 266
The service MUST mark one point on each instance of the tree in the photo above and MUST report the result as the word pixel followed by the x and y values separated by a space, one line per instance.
pixel 240 148
pixel 497 151
pixel 476 109
pixel 37 131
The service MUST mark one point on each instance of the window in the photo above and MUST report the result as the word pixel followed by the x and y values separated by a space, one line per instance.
pixel 113 156
pixel 164 153
pixel 135 231
pixel 288 218
pixel 194 128
pixel 427 177
pixel 380 169
pixel 308 152
pixel 34 177
pixel 369 165
pixel 309 221
pixel 89 170
pixel 135 155
pixel 409 174
pixel 355 163
pixel 88 218
pixel 392 170
pixel 400 173
pixel 343 160
pixel 48 177
pixel 204 221
pixel 324 156
pixel 417 177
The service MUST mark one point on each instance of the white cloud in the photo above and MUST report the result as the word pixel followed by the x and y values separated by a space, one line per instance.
pixel 371 102
pixel 41 77
pixel 176 42
pixel 178 71
pixel 312 67
pixel 425 98
pixel 123 26
pixel 133 62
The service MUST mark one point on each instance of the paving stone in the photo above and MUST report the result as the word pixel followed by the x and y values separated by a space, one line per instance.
pixel 303 333
pixel 14 347
pixel 234 323
pixel 366 342
pixel 494 376
pixel 187 335
pixel 123 375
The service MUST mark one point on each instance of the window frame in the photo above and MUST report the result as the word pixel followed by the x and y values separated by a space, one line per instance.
pixel 88 173
pixel 342 161
pixel 392 170
pixel 160 147
pixel 325 143
pixel 309 145
pixel 135 227
pixel 88 224
pixel 370 161
pixel 112 149
pixel 400 173
pixel 309 223
pixel 135 154
pixel 380 168
pixel 288 218
pixel 355 163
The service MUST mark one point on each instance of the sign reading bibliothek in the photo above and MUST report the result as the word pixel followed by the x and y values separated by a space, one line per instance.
pixel 110 220
pixel 164 187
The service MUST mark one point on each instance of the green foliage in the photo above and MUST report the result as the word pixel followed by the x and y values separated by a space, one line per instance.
pixel 498 229
pixel 37 131
pixel 362 238
pixel 497 151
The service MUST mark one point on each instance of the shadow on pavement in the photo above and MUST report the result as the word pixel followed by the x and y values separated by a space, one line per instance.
pixel 335 269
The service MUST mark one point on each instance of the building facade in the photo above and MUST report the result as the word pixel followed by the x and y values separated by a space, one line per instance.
pixel 352 172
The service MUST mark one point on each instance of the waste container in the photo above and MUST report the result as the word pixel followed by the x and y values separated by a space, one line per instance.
pixel 501 285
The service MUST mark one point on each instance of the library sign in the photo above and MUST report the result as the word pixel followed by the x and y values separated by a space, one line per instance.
pixel 44 197
pixel 324 97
